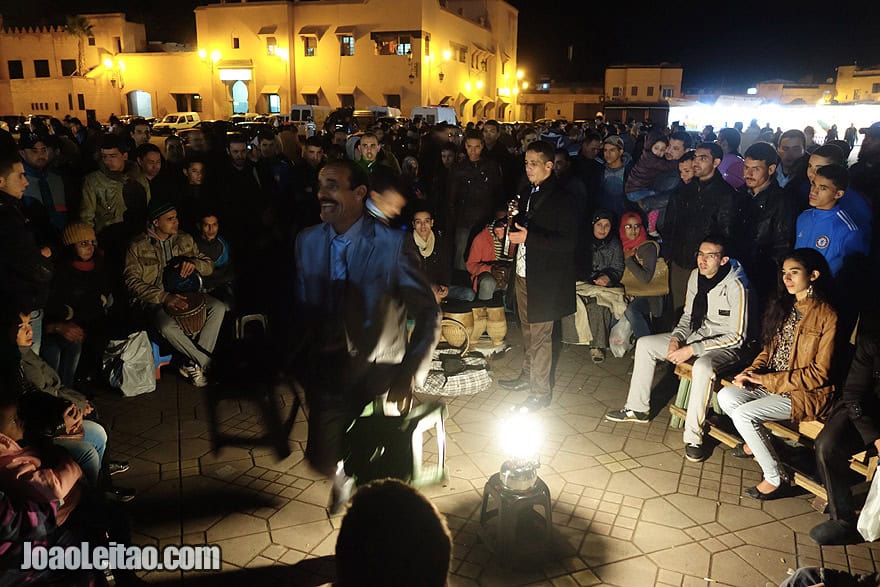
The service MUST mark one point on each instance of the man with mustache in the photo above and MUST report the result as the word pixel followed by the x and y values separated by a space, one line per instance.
pixel 356 282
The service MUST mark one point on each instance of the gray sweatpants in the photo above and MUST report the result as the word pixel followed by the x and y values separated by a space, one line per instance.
pixel 650 350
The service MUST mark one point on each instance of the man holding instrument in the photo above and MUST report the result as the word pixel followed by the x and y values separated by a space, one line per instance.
pixel 145 263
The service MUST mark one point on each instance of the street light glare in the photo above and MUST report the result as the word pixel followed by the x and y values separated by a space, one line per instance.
pixel 216 55
pixel 447 55
pixel 479 84
pixel 521 436
pixel 525 85
pixel 520 74
pixel 108 63
pixel 203 54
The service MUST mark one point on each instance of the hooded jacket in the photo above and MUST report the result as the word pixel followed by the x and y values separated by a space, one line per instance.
pixel 727 318
pixel 145 261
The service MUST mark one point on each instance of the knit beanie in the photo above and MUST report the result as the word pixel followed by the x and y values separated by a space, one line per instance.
pixel 158 207
pixel 77 232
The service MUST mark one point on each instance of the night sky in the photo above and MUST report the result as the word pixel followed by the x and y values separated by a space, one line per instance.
pixel 733 44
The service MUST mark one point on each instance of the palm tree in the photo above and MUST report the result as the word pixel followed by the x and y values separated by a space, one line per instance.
pixel 81 28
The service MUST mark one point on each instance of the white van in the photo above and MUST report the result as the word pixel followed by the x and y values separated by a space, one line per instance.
pixel 434 114
pixel 307 119
pixel 385 111
pixel 176 121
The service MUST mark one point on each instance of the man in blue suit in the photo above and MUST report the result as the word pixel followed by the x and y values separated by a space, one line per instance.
pixel 357 280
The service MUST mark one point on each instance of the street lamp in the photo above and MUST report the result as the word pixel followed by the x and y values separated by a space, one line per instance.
pixel 215 55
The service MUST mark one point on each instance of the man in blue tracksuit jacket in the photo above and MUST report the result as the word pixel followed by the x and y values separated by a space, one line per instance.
pixel 825 226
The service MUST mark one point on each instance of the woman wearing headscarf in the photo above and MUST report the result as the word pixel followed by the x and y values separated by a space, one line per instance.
pixel 640 256
pixel 607 270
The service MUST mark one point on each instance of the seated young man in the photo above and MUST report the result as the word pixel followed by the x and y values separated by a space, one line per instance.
pixel 210 242
pixel 486 248
pixel 145 262
pixel 51 409
pixel 825 226
pixel 713 329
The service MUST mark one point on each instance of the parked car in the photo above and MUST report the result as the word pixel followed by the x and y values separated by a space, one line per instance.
pixel 176 121
pixel 434 114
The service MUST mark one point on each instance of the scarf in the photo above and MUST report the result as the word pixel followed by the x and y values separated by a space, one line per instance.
pixel 628 244
pixel 426 246
pixel 81 265
pixel 700 306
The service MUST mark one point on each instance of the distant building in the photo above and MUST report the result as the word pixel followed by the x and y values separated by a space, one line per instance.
pixel 561 101
pixel 858 84
pixel 265 56
pixel 791 92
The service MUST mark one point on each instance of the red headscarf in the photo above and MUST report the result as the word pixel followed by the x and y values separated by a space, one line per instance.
pixel 632 218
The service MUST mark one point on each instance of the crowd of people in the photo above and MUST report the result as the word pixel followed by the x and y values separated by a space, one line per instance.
pixel 694 239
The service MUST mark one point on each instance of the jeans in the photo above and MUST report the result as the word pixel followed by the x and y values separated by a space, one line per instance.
pixel 653 348
pixel 37 325
pixel 486 286
pixel 639 195
pixel 88 452
pixel 461 292
pixel 63 356
pixel 749 409
pixel 638 312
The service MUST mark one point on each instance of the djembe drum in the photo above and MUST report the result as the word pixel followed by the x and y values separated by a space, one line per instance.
pixel 193 319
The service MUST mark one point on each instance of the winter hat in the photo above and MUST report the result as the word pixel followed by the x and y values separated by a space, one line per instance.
pixel 615 141
pixel 159 207
pixel 77 232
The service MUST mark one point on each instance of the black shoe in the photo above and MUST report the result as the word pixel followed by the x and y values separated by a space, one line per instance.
pixel 116 467
pixel 625 415
pixel 782 491
pixel 521 383
pixel 694 453
pixel 120 494
pixel 739 451
pixel 836 533
pixel 534 403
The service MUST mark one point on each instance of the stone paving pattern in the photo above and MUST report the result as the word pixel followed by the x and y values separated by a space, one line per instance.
pixel 628 509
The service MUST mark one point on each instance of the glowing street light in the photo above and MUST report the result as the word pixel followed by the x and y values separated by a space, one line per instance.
pixel 108 63
pixel 203 54
pixel 447 55
pixel 216 55
pixel 520 74
pixel 479 84
pixel 525 85
pixel 467 87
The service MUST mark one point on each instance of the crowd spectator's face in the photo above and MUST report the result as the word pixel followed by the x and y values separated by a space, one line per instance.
pixel 37 156
pixel 423 223
pixel 267 148
pixel 15 182
pixel 150 164
pixel 173 150
pixel 590 149
pixel 704 164
pixel 686 171
pixel 757 173
pixel 675 150
pixel 113 159
pixel 380 134
pixel 560 164
pixel 537 170
pixel 602 228
pixel 870 150
pixel 795 277
pixel 314 156
pixel 447 158
pixel 659 149
pixel 166 224
pixel 209 227
pixel 611 154
pixel 823 193
pixel 633 227
pixel 390 202
pixel 815 163
pixel 195 173
pixel 340 203
pixel 710 258
pixel 339 138
pixel 474 148
pixel 25 335
pixel 528 140
pixel 195 141
pixel 790 150
pixel 85 250
pixel 238 154
pixel 369 148
pixel 141 134
pixel 490 134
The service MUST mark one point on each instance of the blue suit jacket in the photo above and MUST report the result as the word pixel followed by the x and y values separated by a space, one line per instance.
pixel 384 285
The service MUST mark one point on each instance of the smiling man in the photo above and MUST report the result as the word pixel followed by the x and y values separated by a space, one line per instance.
pixel 356 282
pixel 713 329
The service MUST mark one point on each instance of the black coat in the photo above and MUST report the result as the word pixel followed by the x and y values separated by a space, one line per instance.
pixel 695 211
pixel 550 251
pixel 861 393
pixel 25 274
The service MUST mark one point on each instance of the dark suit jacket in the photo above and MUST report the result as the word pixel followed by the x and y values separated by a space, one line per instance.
pixel 550 251
pixel 384 285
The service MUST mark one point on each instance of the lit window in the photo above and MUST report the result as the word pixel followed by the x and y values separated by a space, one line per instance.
pixel 271 44
pixel 311 45
pixel 346 45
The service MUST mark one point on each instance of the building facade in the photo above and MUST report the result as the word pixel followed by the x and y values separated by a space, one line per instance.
pixel 264 57
pixel 858 84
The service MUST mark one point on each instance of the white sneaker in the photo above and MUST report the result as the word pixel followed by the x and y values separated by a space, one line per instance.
pixel 198 378
pixel 187 370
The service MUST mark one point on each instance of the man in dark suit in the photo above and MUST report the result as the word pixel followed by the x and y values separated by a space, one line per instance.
pixel 545 270
pixel 356 282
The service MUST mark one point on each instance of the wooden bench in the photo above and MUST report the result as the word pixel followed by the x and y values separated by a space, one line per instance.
pixel 804 434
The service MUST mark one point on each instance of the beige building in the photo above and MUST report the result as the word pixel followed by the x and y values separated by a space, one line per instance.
pixel 263 57
pixel 642 83
pixel 858 84
pixel 789 92
pixel 568 102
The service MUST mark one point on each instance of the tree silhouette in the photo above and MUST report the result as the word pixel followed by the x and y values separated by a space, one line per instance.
pixel 81 28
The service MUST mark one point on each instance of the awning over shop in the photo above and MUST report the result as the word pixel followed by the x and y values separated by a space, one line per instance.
pixel 346 90
pixel 270 89
pixel 269 29
pixel 316 31
pixel 310 90
pixel 444 101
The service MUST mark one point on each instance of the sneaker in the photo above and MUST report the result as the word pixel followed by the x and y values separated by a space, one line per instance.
pixel 694 453
pixel 187 370
pixel 625 415
pixel 198 378
pixel 836 533
pixel 116 467
pixel 598 355
pixel 120 494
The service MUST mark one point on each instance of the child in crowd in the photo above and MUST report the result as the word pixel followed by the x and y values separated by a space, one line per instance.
pixel 644 179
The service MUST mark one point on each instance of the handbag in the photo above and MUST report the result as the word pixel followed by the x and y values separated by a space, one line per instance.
pixel 659 284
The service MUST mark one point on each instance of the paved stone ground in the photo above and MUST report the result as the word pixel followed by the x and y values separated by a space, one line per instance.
pixel 628 509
